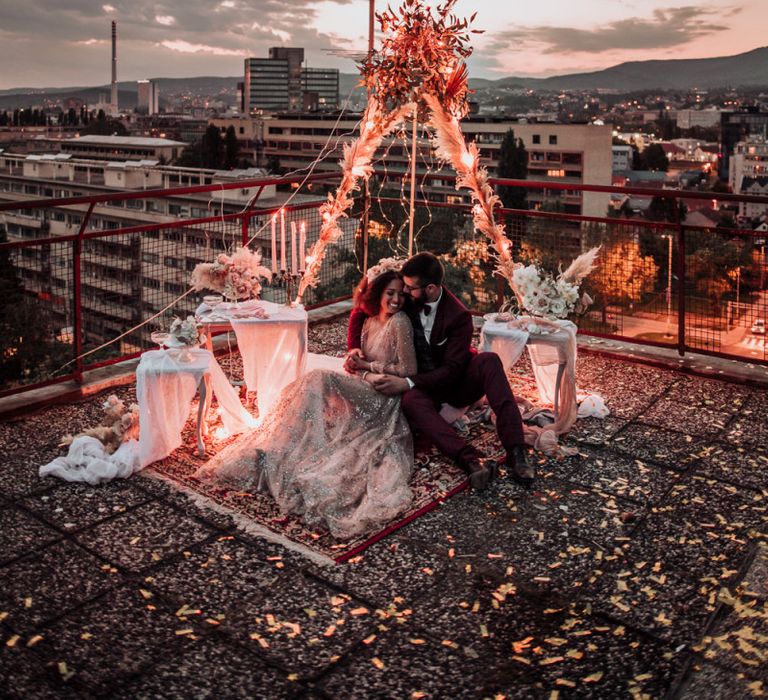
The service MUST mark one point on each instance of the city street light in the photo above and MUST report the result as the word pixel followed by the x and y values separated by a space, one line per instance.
pixel 668 334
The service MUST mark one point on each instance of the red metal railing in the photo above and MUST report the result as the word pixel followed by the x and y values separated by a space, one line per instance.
pixel 84 289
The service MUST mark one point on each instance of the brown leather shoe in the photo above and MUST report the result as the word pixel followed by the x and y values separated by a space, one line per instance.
pixel 482 470
pixel 518 466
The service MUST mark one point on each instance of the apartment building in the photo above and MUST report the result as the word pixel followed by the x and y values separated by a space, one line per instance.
pixel 748 174
pixel 560 153
pixel 128 277
pixel 117 147
pixel 737 126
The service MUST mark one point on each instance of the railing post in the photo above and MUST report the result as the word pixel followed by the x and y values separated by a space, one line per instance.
pixel 680 283
pixel 77 297
pixel 245 225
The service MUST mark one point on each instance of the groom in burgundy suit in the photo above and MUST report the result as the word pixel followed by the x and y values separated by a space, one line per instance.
pixel 449 371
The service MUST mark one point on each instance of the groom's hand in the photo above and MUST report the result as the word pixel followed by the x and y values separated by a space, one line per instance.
pixel 351 360
pixel 391 386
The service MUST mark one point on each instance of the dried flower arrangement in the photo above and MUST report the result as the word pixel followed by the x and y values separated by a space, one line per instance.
pixel 236 276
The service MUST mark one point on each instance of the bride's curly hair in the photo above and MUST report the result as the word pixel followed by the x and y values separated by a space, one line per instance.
pixel 368 294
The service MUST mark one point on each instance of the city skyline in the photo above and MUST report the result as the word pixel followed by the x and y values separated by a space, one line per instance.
pixel 65 44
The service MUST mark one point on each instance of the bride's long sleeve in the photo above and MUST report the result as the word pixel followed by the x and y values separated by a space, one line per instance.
pixel 404 362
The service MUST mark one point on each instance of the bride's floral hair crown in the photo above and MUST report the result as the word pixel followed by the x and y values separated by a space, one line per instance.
pixel 384 265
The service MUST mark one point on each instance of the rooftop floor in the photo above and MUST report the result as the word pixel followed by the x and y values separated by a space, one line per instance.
pixel 637 568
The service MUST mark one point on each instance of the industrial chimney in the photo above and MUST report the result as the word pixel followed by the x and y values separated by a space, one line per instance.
pixel 114 69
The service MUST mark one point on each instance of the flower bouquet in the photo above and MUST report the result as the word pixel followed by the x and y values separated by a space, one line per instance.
pixel 186 334
pixel 237 276
pixel 543 296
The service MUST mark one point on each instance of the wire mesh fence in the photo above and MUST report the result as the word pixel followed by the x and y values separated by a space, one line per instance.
pixel 103 291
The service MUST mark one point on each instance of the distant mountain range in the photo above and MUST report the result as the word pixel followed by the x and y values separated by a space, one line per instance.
pixel 748 69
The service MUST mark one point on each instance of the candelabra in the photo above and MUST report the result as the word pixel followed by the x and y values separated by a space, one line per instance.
pixel 288 280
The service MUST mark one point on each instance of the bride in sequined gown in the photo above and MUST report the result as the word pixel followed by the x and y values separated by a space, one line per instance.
pixel 334 450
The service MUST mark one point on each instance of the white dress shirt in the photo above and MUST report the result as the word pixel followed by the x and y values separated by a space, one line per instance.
pixel 427 321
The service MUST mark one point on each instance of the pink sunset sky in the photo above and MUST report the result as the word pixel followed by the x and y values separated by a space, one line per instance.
pixel 66 42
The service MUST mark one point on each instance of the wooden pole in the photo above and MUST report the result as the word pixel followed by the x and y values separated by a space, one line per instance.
pixel 366 186
pixel 413 181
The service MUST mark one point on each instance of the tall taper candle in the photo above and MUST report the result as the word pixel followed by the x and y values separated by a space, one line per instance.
pixel 274 243
pixel 294 266
pixel 282 240
pixel 302 246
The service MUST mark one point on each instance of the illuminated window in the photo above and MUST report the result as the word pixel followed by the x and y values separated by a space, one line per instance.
pixel 555 173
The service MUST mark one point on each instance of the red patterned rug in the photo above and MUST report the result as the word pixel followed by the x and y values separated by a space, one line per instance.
pixel 435 479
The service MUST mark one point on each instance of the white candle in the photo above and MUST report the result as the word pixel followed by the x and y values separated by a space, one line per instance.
pixel 282 240
pixel 274 243
pixel 294 266
pixel 303 246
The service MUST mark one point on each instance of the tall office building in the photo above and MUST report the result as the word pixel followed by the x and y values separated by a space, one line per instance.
pixel 148 99
pixel 280 83
pixel 294 59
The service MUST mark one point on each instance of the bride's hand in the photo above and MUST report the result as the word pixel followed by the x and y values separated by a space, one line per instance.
pixel 360 363
pixel 351 360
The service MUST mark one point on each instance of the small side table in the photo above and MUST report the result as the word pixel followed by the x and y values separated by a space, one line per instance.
pixel 546 350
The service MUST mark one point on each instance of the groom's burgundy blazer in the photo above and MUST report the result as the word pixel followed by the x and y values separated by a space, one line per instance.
pixel 450 343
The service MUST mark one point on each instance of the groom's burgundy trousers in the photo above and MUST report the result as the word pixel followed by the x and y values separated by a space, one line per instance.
pixel 484 376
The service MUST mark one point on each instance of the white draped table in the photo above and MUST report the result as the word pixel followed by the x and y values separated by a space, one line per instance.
pixel 165 388
pixel 553 355
pixel 272 339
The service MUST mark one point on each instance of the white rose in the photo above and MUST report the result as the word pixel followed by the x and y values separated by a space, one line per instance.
pixel 557 307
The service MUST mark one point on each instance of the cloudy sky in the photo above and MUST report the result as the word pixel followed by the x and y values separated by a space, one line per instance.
pixel 50 43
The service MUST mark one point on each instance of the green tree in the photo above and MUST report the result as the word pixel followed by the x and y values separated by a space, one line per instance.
pixel 655 158
pixel 212 148
pixel 624 274
pixel 231 148
pixel 191 156
pixel 638 161
pixel 663 209
pixel 513 165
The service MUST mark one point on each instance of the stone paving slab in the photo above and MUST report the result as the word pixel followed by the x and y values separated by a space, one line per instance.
pixel 613 472
pixel 215 578
pixel 143 536
pixel 23 676
pixel 21 532
pixel 649 443
pixel 72 507
pixel 301 625
pixel 674 415
pixel 741 466
pixel 50 582
pixel 390 569
pixel 114 638
pixel 212 667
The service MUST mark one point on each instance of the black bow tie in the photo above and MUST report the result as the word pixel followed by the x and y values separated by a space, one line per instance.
pixel 426 310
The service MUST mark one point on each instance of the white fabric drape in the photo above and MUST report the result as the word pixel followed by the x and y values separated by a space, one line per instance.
pixel 551 351
pixel 272 339
pixel 165 388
